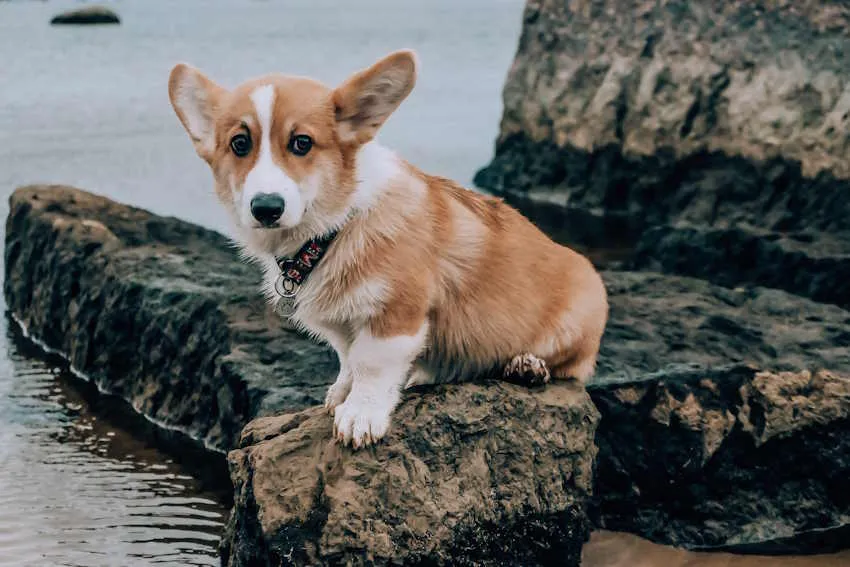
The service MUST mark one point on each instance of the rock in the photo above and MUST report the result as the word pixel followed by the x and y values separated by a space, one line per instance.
pixel 659 321
pixel 681 460
pixel 692 109
pixel 87 15
pixel 156 310
pixel 164 314
pixel 470 475
pixel 722 115
pixel 811 264
pixel 715 136
pixel 728 458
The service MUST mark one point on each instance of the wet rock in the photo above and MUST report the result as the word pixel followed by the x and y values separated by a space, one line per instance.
pixel 730 458
pixel 87 15
pixel 470 475
pixel 728 116
pixel 811 264
pixel 156 310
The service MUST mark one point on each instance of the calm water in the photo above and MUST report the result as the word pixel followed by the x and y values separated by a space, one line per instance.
pixel 88 107
pixel 77 489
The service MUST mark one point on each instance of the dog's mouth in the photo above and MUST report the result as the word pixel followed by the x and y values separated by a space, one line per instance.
pixel 266 227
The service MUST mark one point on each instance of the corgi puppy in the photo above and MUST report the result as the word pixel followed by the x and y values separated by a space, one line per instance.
pixel 410 278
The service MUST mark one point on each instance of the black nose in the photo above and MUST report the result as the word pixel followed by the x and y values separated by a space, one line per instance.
pixel 267 208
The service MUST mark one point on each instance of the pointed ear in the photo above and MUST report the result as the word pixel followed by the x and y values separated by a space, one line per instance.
pixel 365 101
pixel 195 99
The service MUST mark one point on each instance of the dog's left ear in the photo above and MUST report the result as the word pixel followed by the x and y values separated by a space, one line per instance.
pixel 365 101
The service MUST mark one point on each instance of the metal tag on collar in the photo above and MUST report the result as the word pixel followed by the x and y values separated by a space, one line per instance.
pixel 285 287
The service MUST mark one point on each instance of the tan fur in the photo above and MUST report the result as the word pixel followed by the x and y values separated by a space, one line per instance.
pixel 414 252
pixel 486 298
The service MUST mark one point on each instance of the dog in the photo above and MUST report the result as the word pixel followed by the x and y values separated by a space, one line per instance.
pixel 410 278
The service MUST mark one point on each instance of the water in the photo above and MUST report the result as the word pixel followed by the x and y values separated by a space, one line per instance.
pixel 88 107
pixel 76 489
pixel 611 549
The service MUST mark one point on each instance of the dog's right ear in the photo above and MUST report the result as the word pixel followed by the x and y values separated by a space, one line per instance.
pixel 195 99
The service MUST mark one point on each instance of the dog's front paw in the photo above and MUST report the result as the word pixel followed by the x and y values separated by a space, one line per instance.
pixel 336 395
pixel 359 423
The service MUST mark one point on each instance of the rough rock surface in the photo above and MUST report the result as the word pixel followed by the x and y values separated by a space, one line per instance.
pixel 658 320
pixel 87 15
pixel 810 264
pixel 727 457
pixel 470 475
pixel 714 135
pixel 716 114
pixel 156 310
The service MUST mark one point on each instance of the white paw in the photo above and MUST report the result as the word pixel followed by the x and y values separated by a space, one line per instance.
pixel 337 393
pixel 360 423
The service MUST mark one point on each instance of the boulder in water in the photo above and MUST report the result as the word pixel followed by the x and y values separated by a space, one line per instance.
pixel 86 16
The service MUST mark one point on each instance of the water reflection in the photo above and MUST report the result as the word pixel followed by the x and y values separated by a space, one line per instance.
pixel 611 549
pixel 78 490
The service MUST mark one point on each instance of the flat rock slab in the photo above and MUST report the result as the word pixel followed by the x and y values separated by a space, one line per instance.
pixel 811 264
pixel 164 314
pixel 470 475
pixel 657 321
pixel 156 310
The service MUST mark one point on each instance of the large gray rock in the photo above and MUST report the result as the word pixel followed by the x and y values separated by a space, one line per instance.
pixel 155 310
pixel 717 114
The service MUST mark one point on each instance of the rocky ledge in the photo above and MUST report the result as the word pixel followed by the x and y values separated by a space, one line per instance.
pixel 156 310
pixel 721 125
pixel 724 412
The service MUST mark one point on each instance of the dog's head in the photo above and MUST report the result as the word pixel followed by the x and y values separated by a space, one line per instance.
pixel 283 149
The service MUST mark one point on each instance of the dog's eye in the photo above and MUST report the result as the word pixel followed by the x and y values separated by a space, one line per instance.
pixel 300 145
pixel 241 145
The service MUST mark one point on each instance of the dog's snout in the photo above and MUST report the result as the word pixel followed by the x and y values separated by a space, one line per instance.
pixel 267 208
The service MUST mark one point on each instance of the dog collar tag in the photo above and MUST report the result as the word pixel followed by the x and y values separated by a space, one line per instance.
pixel 285 287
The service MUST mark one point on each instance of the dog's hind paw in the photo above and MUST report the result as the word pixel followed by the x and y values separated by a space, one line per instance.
pixel 528 370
